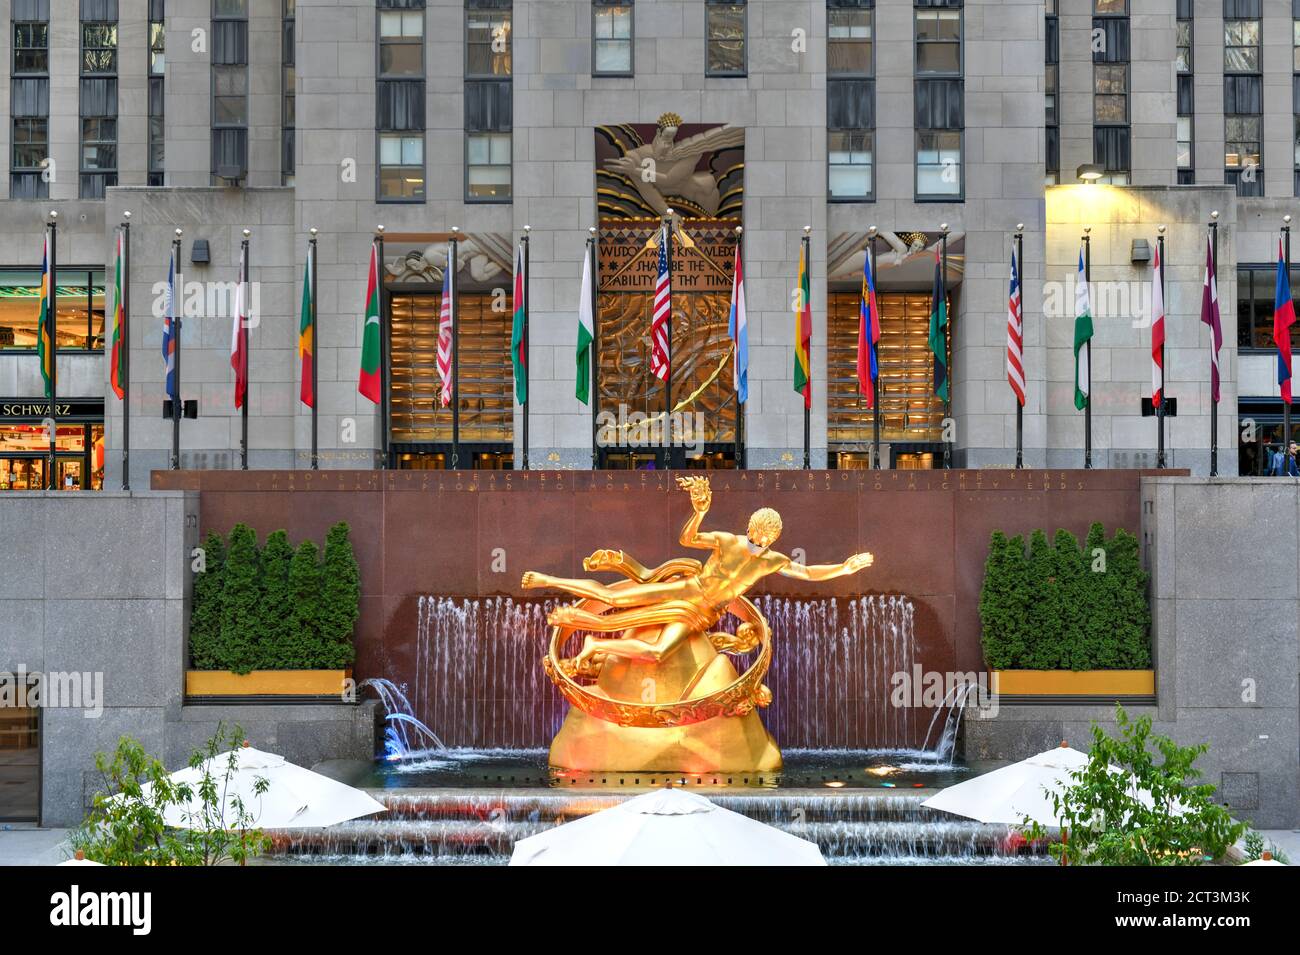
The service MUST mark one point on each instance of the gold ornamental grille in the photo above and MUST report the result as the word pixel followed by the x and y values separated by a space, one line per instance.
pixel 910 411
pixel 486 406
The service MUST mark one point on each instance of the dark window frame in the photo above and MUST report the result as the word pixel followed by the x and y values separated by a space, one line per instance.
pixel 224 132
pixel 497 87
pixel 630 40
pixel 87 277
pixel 709 7
pixel 919 77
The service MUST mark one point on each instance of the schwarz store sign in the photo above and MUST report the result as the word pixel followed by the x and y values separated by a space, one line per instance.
pixel 26 408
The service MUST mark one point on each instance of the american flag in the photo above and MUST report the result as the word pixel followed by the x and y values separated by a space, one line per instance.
pixel 1015 334
pixel 444 332
pixel 660 354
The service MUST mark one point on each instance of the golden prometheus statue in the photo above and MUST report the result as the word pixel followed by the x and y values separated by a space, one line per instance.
pixel 652 688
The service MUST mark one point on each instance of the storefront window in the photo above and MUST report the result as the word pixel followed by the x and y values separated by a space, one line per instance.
pixel 24 456
pixel 80 324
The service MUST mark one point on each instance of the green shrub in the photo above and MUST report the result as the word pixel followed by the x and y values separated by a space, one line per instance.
pixel 1062 607
pixel 1134 805
pixel 241 593
pixel 340 598
pixel 279 608
pixel 205 617
pixel 304 607
pixel 274 625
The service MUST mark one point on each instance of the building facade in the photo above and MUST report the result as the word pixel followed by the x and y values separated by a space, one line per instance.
pixel 471 120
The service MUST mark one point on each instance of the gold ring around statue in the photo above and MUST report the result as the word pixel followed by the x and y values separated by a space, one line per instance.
pixel 736 699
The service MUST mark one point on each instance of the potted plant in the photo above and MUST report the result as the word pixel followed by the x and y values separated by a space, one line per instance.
pixel 273 621
pixel 1058 620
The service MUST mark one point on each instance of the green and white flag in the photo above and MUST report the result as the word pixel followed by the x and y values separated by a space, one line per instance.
pixel 1082 336
pixel 586 333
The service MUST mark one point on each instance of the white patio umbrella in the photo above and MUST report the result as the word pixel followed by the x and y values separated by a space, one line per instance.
pixel 295 798
pixel 1265 858
pixel 1009 794
pixel 1024 789
pixel 666 827
pixel 79 859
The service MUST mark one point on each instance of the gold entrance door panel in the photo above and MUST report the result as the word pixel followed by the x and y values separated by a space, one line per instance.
pixel 910 411
pixel 653 688
pixel 486 406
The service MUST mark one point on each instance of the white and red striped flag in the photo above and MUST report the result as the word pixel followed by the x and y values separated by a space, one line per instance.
pixel 1157 331
pixel 1016 334
pixel 239 333
pixel 660 348
pixel 444 332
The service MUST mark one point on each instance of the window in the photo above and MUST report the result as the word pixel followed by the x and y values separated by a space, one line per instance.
pixel 31 48
pixel 1110 6
pixel 850 157
pixel 938 41
pixel 31 143
pixel 488 43
pixel 401 43
pixel 229 90
pixel 1183 48
pixel 98 99
pixel 850 100
pixel 229 96
pixel 1241 46
pixel 1051 87
pixel 401 168
pixel 938 102
pixel 488 101
pixel 1110 100
pixel 98 48
pixel 488 165
pixel 611 37
pixel 1241 141
pixel 289 91
pixel 849 40
pixel 938 163
pixel 157 99
pixel 81 309
pixel 157 47
pixel 724 44
pixel 1184 142
pixel 1256 285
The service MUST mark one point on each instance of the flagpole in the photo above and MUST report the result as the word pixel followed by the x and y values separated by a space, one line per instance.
pixel 527 282
pixel 315 352
pixel 52 322
pixel 1160 408
pixel 244 344
pixel 385 351
pixel 1214 281
pixel 455 348
pixel 1286 405
pixel 666 433
pixel 125 344
pixel 177 404
pixel 593 352
pixel 740 408
pixel 1020 408
pixel 947 402
pixel 807 411
pixel 878 382
pixel 1087 398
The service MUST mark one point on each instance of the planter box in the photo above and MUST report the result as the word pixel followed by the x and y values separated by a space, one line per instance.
pixel 1105 683
pixel 286 683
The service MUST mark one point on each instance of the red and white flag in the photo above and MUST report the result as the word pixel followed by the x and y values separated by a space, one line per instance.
pixel 660 348
pixel 1016 334
pixel 444 331
pixel 1157 331
pixel 239 332
pixel 1210 316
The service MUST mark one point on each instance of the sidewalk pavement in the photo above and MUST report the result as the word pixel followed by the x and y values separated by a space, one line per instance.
pixel 28 845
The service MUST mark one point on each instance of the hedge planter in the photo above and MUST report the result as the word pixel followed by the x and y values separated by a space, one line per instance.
pixel 1092 683
pixel 263 683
